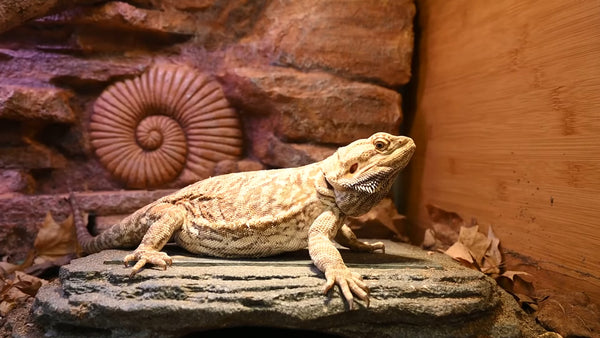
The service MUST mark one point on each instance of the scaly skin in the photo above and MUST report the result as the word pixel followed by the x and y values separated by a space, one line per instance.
pixel 262 213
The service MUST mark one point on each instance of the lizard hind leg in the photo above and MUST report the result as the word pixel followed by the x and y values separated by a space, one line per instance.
pixel 166 219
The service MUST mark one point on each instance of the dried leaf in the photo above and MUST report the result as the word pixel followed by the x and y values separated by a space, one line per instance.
pixel 7 268
pixel 42 265
pixel 429 239
pixel 476 242
pixel 505 283
pixel 572 314
pixel 17 290
pixel 28 284
pixel 522 298
pixel 511 274
pixel 445 225
pixel 6 306
pixel 528 304
pixel 523 286
pixel 438 215
pixel 517 284
pixel 507 280
pixel 382 221
pixel 55 240
pixel 461 253
pixel 10 297
pixel 493 257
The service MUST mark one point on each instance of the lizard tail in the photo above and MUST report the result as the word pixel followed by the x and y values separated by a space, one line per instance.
pixel 120 235
pixel 85 239
pixel 89 243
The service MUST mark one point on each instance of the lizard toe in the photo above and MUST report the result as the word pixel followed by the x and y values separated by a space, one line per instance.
pixel 377 246
pixel 144 257
pixel 350 283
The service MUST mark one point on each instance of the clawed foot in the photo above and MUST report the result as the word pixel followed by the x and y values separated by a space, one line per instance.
pixel 350 283
pixel 144 257
pixel 375 246
pixel 367 247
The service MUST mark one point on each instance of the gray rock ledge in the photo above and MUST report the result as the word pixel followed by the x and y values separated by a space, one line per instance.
pixel 413 294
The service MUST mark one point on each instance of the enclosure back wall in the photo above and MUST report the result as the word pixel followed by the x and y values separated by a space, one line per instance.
pixel 79 77
pixel 508 128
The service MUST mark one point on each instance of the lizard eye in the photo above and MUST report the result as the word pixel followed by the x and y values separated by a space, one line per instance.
pixel 380 144
pixel 353 168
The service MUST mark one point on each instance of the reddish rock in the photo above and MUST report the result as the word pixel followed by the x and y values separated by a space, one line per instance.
pixel 21 215
pixel 123 15
pixel 249 165
pixel 314 151
pixel 37 68
pixel 31 209
pixel 275 153
pixel 232 166
pixel 31 156
pixel 16 181
pixel 77 176
pixel 46 104
pixel 186 5
pixel 316 107
pixel 15 12
pixel 356 39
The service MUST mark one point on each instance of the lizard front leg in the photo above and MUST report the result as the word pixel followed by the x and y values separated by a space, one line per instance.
pixel 347 238
pixel 328 259
pixel 165 220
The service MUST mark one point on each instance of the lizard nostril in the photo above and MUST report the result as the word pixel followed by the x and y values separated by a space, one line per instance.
pixel 353 168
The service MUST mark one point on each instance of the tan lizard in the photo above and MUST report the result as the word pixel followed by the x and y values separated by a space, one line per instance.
pixel 262 213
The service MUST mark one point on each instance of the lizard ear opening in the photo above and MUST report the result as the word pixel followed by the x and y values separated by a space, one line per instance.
pixel 353 168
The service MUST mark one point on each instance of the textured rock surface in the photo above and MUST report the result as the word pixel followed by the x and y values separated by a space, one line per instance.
pixel 121 14
pixel 21 215
pixel 412 294
pixel 313 106
pixel 35 66
pixel 15 181
pixel 15 12
pixel 305 76
pixel 31 156
pixel 276 153
pixel 348 38
pixel 30 103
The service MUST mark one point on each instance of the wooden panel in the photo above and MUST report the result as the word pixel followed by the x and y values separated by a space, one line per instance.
pixel 507 126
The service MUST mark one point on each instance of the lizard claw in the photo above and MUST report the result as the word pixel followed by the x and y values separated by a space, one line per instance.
pixel 350 283
pixel 376 246
pixel 144 257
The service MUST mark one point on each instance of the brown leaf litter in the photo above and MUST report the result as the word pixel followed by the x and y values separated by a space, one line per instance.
pixel 569 315
pixel 55 245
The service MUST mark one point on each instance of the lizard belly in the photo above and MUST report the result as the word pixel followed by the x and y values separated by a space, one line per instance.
pixel 223 241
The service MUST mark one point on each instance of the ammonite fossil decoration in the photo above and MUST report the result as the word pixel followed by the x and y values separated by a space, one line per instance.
pixel 170 121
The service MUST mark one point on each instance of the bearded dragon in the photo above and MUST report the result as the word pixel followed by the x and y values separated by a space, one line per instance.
pixel 266 212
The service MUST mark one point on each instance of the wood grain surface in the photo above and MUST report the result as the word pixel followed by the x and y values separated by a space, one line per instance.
pixel 507 127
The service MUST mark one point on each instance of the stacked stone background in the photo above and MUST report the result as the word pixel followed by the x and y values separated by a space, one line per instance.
pixel 304 76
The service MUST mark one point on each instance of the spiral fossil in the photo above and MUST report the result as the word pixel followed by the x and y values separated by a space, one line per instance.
pixel 170 121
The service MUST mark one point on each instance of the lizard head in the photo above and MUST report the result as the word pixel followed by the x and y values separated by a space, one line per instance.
pixel 362 173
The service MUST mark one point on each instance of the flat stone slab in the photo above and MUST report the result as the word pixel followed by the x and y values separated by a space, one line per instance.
pixel 413 294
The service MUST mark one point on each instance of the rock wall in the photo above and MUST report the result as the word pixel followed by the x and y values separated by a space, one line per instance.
pixel 302 77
